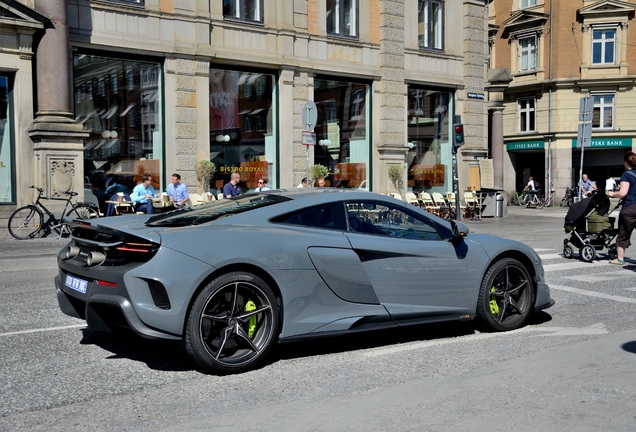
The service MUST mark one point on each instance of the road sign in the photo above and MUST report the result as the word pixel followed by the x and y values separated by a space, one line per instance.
pixel 584 135
pixel 309 116
pixel 308 138
pixel 586 106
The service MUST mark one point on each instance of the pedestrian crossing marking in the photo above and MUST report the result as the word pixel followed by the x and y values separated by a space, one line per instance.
pixel 593 294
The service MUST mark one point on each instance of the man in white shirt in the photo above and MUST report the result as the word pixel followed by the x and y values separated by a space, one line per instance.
pixel 610 184
pixel 531 187
pixel 262 185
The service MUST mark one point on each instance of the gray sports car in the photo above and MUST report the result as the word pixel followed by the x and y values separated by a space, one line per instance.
pixel 231 278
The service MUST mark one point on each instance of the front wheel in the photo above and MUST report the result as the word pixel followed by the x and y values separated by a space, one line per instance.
pixel 588 253
pixel 25 222
pixel 611 251
pixel 506 296
pixel 567 252
pixel 233 323
pixel 83 211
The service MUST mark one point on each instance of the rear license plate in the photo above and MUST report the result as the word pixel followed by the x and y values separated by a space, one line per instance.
pixel 76 284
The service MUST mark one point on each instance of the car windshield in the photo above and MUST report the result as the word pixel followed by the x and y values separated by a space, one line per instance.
pixel 213 210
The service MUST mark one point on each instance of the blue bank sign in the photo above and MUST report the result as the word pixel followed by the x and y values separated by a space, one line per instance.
pixel 525 145
pixel 607 143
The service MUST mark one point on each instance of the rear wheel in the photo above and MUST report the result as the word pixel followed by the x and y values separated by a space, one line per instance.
pixel 233 323
pixel 25 222
pixel 588 253
pixel 611 251
pixel 506 296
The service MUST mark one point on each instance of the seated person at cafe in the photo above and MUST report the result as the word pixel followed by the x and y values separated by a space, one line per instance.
pixel 143 194
pixel 177 191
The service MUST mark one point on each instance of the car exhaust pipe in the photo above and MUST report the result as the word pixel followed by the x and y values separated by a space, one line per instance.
pixel 95 258
pixel 71 252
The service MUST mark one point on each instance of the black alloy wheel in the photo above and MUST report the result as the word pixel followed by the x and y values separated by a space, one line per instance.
pixel 506 296
pixel 567 252
pixel 233 323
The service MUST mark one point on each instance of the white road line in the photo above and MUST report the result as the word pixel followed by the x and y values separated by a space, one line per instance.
pixel 594 278
pixel 593 294
pixel 595 329
pixel 42 330
pixel 570 265
pixel 537 250
pixel 550 256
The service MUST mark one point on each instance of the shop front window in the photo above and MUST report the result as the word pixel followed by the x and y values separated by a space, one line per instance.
pixel 429 154
pixel 342 132
pixel 125 132
pixel 242 133
pixel 6 143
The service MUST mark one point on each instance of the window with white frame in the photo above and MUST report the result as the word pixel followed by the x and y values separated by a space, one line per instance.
pixel 430 20
pixel 526 115
pixel 603 113
pixel 523 4
pixel 342 17
pixel 603 45
pixel 243 10
pixel 527 53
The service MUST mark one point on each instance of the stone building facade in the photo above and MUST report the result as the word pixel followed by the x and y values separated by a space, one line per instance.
pixel 545 57
pixel 127 87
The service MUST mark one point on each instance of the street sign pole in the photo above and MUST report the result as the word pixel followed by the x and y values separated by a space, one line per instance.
pixel 584 136
pixel 309 118
pixel 456 119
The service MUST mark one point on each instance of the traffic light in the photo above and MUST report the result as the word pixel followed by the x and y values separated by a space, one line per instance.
pixel 458 135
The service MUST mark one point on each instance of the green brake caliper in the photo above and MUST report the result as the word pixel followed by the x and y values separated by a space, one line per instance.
pixel 251 327
pixel 494 307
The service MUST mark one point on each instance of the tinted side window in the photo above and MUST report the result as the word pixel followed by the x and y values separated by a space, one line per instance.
pixel 329 216
pixel 383 219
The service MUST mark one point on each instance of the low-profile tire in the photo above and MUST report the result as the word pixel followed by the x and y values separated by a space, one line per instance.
pixel 232 324
pixel 611 251
pixel 506 296
pixel 26 222
pixel 567 252
pixel 588 253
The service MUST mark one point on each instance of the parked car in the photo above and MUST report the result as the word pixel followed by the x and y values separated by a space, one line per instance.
pixel 232 278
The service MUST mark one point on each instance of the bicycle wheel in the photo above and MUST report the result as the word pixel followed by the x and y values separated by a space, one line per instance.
pixel 25 222
pixel 83 211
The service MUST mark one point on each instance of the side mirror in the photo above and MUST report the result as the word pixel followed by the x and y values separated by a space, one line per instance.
pixel 459 230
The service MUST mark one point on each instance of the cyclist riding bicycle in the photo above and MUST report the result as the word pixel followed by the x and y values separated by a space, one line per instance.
pixel 532 187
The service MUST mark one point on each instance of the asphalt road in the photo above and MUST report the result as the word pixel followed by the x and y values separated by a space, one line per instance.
pixel 571 369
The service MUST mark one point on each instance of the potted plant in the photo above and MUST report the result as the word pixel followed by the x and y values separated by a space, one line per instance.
pixel 317 171
pixel 396 176
pixel 204 170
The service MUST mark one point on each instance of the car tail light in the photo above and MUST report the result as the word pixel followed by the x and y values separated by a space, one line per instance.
pixel 136 247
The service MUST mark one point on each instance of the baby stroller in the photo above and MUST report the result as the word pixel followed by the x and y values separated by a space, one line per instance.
pixel 589 228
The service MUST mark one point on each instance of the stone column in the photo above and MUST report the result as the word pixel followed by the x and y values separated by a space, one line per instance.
pixel 390 92
pixel 58 142
pixel 497 142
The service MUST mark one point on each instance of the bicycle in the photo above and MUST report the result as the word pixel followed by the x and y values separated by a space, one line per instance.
pixel 28 221
pixel 570 195
pixel 548 198
pixel 532 200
